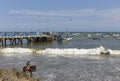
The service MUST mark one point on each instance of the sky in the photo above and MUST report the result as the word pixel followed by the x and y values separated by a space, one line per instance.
pixel 60 15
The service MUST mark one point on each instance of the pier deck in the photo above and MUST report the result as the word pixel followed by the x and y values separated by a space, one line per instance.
pixel 17 40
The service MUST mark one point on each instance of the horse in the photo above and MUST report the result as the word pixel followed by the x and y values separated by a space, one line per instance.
pixel 31 69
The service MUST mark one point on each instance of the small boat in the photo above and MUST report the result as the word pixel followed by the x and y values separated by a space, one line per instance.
pixel 68 38
pixel 63 39
pixel 95 38
pixel 59 38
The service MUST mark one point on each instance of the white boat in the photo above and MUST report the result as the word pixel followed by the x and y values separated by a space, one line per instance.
pixel 67 38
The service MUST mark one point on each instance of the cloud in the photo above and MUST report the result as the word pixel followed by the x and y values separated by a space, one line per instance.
pixel 83 18
pixel 70 13
pixel 109 13
pixel 113 14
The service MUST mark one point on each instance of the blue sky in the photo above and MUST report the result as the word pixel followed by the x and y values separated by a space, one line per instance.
pixel 60 15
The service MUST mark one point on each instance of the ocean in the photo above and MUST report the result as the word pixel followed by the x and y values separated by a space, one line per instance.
pixel 87 57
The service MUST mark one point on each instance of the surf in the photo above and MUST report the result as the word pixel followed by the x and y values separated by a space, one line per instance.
pixel 59 51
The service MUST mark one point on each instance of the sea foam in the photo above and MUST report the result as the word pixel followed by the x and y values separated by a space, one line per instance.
pixel 60 51
pixel 16 50
pixel 76 51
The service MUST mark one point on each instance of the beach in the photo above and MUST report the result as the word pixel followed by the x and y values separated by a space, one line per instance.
pixel 77 60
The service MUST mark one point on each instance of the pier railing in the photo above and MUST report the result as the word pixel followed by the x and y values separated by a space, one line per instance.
pixel 18 39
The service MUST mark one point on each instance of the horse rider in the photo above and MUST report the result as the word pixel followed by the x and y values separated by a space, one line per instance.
pixel 28 65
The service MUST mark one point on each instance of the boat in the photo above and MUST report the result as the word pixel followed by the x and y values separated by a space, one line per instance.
pixel 67 38
pixel 63 38
pixel 59 38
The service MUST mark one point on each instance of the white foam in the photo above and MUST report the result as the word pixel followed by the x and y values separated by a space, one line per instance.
pixel 16 51
pixel 59 51
pixel 75 51
pixel 114 52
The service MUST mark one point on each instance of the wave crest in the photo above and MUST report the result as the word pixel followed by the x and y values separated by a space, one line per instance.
pixel 75 51
pixel 61 51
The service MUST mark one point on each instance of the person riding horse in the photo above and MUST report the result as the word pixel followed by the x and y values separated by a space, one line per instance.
pixel 29 68
pixel 28 65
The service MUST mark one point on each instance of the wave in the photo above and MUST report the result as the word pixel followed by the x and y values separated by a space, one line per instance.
pixel 16 50
pixel 76 51
pixel 60 51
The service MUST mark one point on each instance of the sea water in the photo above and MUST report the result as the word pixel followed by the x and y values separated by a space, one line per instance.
pixel 77 60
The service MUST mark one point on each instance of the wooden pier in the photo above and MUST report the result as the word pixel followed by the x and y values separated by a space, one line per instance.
pixel 18 40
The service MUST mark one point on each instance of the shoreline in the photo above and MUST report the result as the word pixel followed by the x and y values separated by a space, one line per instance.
pixel 15 75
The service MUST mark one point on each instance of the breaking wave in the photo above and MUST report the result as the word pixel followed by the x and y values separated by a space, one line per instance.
pixel 16 50
pixel 60 51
